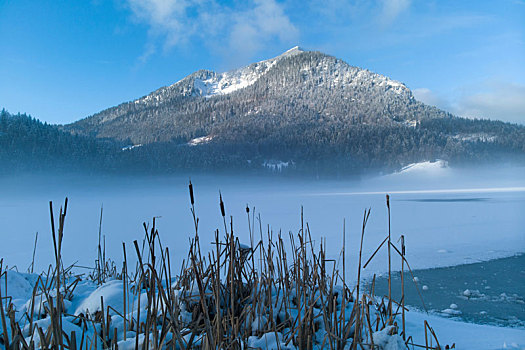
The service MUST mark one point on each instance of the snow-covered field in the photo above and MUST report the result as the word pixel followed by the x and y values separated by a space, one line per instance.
pixel 448 217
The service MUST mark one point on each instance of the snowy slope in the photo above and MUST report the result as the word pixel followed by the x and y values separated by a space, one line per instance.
pixel 228 82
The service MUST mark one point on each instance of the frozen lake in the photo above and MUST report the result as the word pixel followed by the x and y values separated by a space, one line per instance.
pixel 489 292
pixel 448 217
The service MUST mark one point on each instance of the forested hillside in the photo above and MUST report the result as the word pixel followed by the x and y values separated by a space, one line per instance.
pixel 26 144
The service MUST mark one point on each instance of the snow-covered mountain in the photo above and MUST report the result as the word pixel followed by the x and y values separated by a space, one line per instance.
pixel 209 83
pixel 300 86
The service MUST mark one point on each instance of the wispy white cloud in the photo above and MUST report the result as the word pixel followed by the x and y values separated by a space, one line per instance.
pixel 244 28
pixel 497 100
pixel 337 12
pixel 491 99
pixel 384 12
pixel 256 27
pixel 175 21
pixel 391 9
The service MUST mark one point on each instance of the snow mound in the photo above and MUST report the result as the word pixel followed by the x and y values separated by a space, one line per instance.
pixel 111 292
pixel 428 167
pixel 388 339
pixel 268 341
pixel 19 286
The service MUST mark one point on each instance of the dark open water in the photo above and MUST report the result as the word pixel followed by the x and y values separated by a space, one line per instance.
pixel 491 292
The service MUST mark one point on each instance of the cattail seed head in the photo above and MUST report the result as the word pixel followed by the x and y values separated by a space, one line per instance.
pixel 388 201
pixel 192 200
pixel 247 209
pixel 223 212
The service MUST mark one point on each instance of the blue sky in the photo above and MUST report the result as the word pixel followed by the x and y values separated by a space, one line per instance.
pixel 62 60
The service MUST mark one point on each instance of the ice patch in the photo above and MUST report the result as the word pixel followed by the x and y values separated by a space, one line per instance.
pixel 472 294
pixel 451 312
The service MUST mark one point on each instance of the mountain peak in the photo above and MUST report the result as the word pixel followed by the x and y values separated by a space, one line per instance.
pixel 293 51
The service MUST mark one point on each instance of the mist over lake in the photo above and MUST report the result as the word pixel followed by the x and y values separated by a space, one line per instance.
pixel 448 216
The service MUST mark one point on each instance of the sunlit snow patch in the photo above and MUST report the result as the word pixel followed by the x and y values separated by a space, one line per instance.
pixel 200 140
pixel 228 82
pixel 130 147
pixel 276 165
pixel 476 137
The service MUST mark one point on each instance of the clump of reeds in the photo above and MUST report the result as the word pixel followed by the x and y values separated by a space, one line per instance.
pixel 277 291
